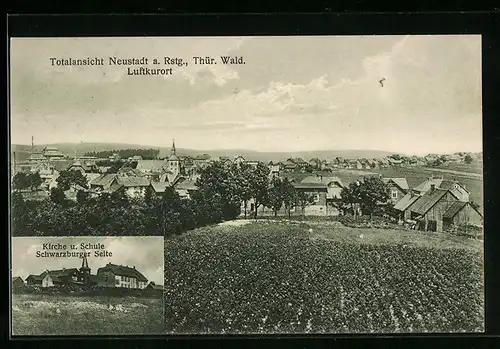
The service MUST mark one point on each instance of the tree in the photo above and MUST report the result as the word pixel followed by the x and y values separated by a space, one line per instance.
pixel 289 195
pixel 371 195
pixel 57 196
pixel 20 181
pixel 259 182
pixel 276 195
pixel 304 199
pixel 468 159
pixel 243 174
pixel 69 178
pixel 35 181
pixel 219 185
pixel 171 212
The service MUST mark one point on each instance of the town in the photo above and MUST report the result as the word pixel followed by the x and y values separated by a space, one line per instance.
pixel 318 187
pixel 119 277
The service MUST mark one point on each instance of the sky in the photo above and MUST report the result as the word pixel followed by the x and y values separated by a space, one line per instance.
pixel 292 93
pixel 145 253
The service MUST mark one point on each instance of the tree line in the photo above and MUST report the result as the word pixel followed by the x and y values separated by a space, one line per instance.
pixel 146 154
pixel 222 189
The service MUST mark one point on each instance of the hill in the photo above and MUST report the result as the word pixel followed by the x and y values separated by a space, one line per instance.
pixel 22 151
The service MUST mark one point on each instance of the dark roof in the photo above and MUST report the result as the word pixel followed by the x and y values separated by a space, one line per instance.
pixel 104 180
pixel 405 202
pixel 454 209
pixel 123 271
pixel 428 200
pixel 15 278
pixel 447 184
pixel 202 157
pixel 322 179
pixel 150 165
pixel 155 286
pixel 302 185
pixel 400 182
pixel 133 181
pixel 62 272
pixel 36 277
pixel 426 185
pixel 187 184
pixel 159 187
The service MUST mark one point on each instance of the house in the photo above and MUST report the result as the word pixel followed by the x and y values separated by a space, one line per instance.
pixel 122 276
pixel 394 162
pixel 114 157
pixel 253 163
pixel 34 280
pixel 398 187
pixel 17 284
pixel 107 182
pixel 403 206
pixel 274 169
pixel 151 167
pixel 37 157
pixel 384 163
pixel 126 171
pixel 455 186
pixel 239 159
pixel 425 186
pixel 51 278
pixel 82 167
pixel 334 188
pixel 374 163
pixel 202 160
pixel 430 208
pixel 462 213
pixel 318 191
pixel 52 153
pixel 290 166
pixel 153 289
pixel 134 186
pixel 354 164
pixel 158 188
pixel 185 188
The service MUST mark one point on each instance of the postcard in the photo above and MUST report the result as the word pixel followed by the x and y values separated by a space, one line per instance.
pixel 293 184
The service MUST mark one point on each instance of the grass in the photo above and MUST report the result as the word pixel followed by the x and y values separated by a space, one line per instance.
pixel 36 315
pixel 319 277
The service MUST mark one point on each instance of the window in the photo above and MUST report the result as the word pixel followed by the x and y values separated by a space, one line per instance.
pixel 316 198
pixel 394 194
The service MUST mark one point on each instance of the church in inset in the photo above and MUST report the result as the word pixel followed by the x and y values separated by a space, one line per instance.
pixel 111 275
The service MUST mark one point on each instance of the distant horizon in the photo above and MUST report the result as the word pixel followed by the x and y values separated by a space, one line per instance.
pixel 150 146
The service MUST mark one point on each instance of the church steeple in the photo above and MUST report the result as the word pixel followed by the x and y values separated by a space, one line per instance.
pixel 84 271
pixel 85 264
pixel 173 147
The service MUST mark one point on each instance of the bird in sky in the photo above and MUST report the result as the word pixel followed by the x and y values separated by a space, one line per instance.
pixel 382 82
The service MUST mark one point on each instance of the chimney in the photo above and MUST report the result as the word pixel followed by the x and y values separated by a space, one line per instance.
pixel 433 187
pixel 134 266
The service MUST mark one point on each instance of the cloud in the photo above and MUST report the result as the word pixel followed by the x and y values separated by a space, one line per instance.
pixel 323 91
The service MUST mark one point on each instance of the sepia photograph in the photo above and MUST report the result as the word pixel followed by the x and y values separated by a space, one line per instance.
pixel 87 285
pixel 300 184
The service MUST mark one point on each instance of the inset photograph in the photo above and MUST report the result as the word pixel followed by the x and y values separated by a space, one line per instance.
pixel 87 286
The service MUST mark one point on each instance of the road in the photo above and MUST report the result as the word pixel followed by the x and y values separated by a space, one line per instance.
pixel 461 173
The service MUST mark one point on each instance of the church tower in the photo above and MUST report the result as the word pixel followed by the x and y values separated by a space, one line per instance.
pixel 84 271
pixel 173 161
